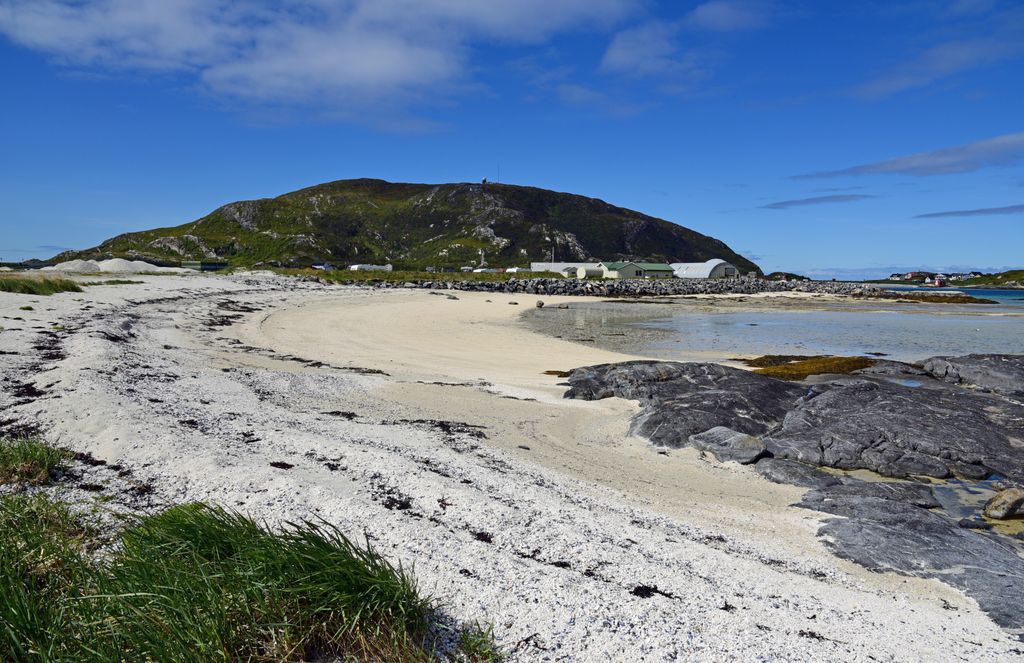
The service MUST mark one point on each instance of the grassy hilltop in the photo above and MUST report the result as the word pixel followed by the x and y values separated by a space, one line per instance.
pixel 417 225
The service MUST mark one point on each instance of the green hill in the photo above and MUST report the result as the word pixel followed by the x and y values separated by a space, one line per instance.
pixel 417 225
pixel 1012 278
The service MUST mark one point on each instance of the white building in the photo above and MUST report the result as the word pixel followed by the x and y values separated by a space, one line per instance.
pixel 370 268
pixel 715 268
pixel 563 268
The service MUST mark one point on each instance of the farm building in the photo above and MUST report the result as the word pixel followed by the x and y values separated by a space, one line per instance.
pixel 715 268
pixel 370 268
pixel 636 270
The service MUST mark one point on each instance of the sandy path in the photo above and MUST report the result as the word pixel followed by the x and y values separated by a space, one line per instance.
pixel 587 546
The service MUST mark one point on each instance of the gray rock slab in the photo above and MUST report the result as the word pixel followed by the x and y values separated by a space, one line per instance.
pixel 684 399
pixel 727 444
pixel 888 536
pixel 794 473
pixel 1002 374
pixel 901 431
pixel 917 494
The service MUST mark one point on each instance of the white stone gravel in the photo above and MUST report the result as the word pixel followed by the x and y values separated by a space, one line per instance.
pixel 151 379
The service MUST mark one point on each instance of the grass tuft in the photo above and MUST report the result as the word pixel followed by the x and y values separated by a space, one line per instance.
pixel 476 642
pixel 198 583
pixel 32 285
pixel 24 460
pixel 112 282
pixel 805 367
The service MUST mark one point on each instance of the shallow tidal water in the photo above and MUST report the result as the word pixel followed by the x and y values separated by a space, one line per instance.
pixel 723 329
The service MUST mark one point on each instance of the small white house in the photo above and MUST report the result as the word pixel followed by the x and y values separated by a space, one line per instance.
pixel 370 268
pixel 715 268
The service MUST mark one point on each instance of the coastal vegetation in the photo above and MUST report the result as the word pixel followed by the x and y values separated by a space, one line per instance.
pixel 414 226
pixel 795 367
pixel 33 285
pixel 196 582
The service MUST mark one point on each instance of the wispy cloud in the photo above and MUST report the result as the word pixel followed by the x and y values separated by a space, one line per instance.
pixel 649 50
pixel 984 211
pixel 985 36
pixel 1005 150
pixel 817 200
pixel 729 15
pixel 656 48
pixel 938 62
pixel 345 56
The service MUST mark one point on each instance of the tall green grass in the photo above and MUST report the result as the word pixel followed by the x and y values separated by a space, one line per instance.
pixel 32 285
pixel 198 583
pixel 29 461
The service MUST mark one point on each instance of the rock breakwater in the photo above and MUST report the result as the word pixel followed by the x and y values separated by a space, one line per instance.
pixel 637 287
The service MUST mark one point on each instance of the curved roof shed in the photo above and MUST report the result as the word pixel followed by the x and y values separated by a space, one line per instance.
pixel 716 268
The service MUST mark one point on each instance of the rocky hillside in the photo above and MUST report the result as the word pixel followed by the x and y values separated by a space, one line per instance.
pixel 417 225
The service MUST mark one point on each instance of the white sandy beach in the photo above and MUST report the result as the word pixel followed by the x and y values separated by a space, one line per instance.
pixel 537 514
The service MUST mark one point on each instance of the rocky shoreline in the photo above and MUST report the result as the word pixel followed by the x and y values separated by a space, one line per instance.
pixel 947 418
pixel 635 287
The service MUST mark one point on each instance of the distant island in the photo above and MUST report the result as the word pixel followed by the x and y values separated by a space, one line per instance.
pixel 414 226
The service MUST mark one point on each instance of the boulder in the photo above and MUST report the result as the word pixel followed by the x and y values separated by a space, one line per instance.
pixel 727 444
pixel 1007 503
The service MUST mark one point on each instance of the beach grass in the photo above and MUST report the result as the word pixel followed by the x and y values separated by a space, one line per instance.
pixel 478 646
pixel 786 367
pixel 198 583
pixel 33 285
pixel 24 460
pixel 112 282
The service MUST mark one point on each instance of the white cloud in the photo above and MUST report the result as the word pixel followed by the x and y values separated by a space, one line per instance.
pixel 941 61
pixel 645 50
pixel 984 211
pixel 818 200
pixel 342 54
pixel 1005 150
pixel 729 15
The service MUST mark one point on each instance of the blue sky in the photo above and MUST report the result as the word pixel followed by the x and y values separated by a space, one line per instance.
pixel 828 138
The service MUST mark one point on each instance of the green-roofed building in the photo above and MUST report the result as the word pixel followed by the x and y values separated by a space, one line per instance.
pixel 637 270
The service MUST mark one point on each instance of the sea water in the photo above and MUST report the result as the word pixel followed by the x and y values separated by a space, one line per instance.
pixel 723 330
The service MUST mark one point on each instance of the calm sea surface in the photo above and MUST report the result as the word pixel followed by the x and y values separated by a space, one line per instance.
pixel 906 332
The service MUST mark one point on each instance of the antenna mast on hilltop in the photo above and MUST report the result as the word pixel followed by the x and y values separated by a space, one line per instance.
pixel 498 181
